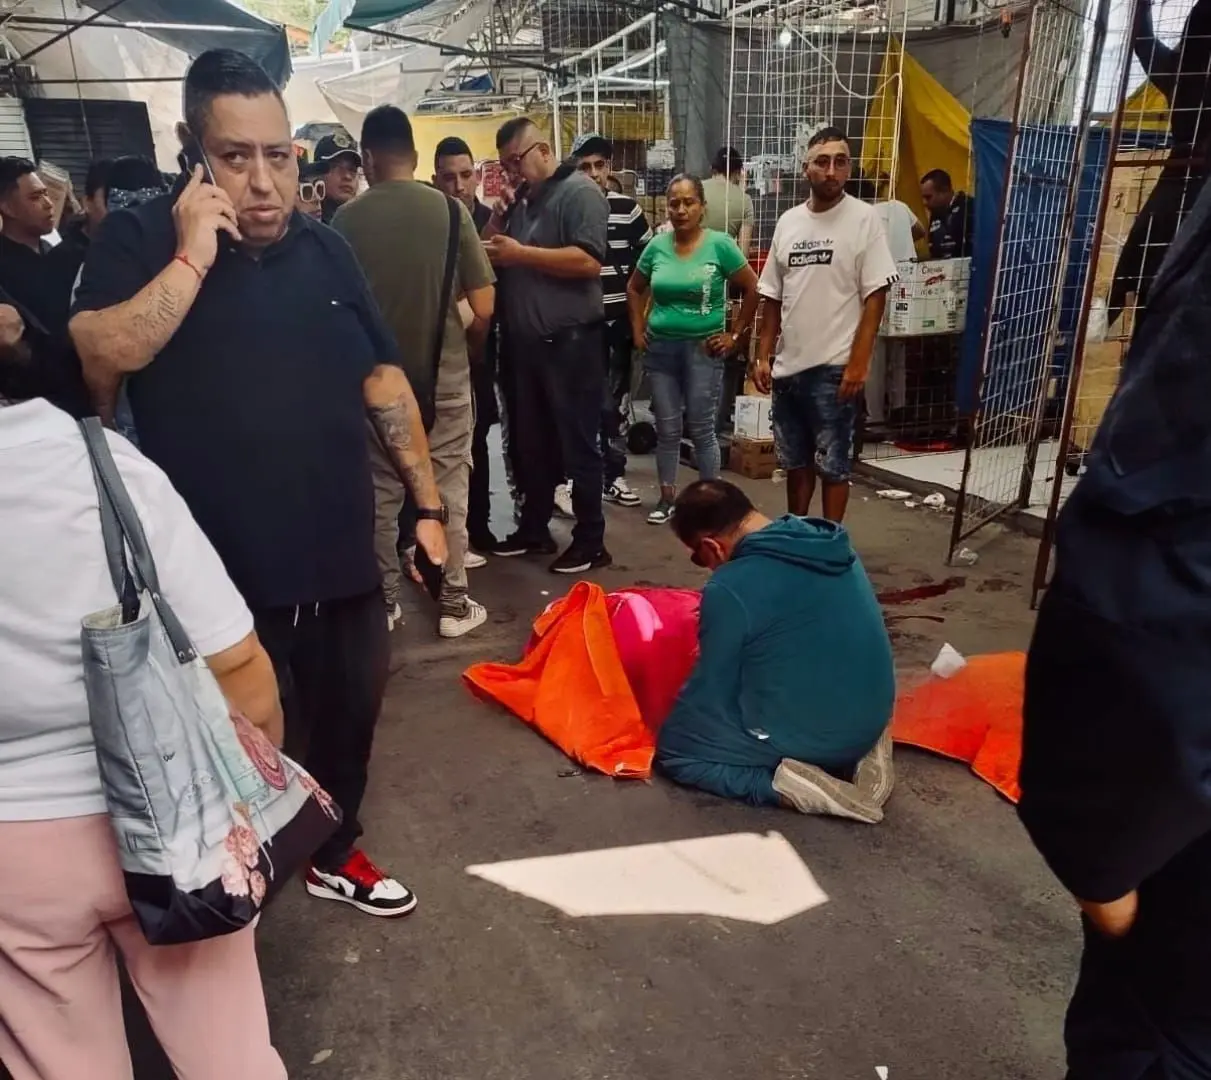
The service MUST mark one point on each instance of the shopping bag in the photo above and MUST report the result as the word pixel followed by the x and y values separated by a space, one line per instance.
pixel 209 817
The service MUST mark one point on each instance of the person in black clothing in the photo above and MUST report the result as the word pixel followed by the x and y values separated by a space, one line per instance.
pixel 455 174
pixel 28 217
pixel 547 236
pixel 1117 740
pixel 66 258
pixel 340 163
pixel 253 353
pixel 627 233
pixel 951 220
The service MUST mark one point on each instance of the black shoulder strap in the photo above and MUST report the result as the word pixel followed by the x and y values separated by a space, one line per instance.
pixel 443 308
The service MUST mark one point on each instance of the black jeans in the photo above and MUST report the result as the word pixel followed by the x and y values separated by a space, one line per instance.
pixel 331 661
pixel 1142 1007
pixel 479 498
pixel 616 338
pixel 559 390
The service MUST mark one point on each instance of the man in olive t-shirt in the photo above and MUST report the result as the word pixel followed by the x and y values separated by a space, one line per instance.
pixel 729 208
pixel 399 231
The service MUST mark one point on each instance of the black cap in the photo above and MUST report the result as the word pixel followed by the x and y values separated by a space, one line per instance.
pixel 592 142
pixel 337 145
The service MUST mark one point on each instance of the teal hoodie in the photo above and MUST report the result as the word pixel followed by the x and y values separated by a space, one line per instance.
pixel 795 662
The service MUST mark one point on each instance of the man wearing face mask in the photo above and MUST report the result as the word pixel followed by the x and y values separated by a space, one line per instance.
pixel 791 697
pixel 547 236
pixel 253 354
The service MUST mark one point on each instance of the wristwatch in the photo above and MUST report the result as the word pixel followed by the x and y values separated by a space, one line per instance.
pixel 440 513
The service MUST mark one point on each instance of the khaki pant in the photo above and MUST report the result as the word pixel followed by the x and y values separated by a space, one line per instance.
pixel 450 453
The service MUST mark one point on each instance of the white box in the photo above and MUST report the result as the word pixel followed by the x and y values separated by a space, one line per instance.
pixel 930 298
pixel 753 417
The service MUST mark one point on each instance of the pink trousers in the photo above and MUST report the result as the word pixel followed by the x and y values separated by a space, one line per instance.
pixel 63 910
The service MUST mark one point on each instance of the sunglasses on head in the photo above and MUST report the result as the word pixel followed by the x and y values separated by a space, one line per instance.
pixel 312 190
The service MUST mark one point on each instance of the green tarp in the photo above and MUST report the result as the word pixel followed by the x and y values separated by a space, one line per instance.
pixel 362 12
pixel 193 26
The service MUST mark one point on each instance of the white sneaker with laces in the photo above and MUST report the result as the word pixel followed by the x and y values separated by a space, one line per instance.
pixel 620 493
pixel 452 626
pixel 395 617
pixel 563 501
pixel 473 560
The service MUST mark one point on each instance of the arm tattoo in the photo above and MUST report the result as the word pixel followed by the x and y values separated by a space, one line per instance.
pixel 396 423
pixel 157 319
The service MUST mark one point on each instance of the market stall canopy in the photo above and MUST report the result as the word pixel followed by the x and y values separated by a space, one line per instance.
pixel 193 26
pixel 362 12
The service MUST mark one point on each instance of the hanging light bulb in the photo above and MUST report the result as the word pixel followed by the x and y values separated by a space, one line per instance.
pixel 784 37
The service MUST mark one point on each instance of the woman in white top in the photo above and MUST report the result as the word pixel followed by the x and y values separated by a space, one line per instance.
pixel 63 906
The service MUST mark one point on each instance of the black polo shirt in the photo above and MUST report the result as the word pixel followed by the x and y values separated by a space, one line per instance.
pixel 952 230
pixel 255 408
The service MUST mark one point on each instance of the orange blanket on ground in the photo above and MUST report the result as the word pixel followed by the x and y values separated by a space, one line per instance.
pixel 974 716
pixel 572 687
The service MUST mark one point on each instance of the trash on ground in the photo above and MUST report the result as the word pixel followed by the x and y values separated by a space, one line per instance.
pixel 321 1057
pixel 965 557
pixel 936 501
pixel 910 503
pixel 948 662
pixel 894 493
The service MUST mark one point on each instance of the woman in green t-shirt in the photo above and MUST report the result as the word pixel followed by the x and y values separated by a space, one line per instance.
pixel 684 334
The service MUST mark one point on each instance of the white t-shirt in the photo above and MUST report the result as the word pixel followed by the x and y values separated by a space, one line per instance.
pixel 822 267
pixel 53 573
pixel 898 221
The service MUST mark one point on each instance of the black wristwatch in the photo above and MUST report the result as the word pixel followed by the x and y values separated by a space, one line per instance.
pixel 441 513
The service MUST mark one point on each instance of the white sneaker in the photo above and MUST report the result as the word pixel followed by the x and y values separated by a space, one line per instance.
pixel 452 626
pixel 620 493
pixel 473 560
pixel 395 617
pixel 563 501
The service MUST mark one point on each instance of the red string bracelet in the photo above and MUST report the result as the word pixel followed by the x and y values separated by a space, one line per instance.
pixel 181 258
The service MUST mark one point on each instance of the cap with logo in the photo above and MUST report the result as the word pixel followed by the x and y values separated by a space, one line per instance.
pixel 336 145
pixel 592 142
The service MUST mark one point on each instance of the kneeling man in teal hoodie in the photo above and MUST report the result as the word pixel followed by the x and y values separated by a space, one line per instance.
pixel 790 701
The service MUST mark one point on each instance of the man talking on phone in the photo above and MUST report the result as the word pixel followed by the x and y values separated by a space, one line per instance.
pixel 253 353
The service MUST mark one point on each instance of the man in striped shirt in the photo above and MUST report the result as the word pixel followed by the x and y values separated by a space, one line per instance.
pixel 628 232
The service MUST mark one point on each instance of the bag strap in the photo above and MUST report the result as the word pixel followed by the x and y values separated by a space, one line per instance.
pixel 443 309
pixel 122 531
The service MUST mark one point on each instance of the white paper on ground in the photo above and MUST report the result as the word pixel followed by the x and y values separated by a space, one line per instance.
pixel 744 876
pixel 936 501
pixel 948 662
pixel 894 493
pixel 882 1072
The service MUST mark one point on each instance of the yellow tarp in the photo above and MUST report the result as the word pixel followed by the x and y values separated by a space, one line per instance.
pixel 935 132
pixel 1146 110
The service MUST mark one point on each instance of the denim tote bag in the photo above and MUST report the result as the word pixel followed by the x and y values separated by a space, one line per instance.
pixel 209 817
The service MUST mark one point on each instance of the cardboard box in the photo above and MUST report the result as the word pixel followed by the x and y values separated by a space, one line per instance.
pixel 754 458
pixel 752 418
pixel 930 298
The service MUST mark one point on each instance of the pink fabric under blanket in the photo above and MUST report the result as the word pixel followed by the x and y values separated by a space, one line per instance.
pixel 656 632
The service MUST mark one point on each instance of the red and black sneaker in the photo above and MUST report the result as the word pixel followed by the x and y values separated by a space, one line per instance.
pixel 360 883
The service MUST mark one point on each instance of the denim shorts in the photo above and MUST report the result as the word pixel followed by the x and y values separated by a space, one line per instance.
pixel 813 428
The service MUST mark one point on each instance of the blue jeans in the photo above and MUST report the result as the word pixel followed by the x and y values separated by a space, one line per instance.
pixel 813 427
pixel 685 380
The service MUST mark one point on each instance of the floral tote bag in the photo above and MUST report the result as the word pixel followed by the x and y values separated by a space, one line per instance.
pixel 209 817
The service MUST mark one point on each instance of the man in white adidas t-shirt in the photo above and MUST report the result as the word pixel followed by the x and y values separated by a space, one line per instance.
pixel 825 284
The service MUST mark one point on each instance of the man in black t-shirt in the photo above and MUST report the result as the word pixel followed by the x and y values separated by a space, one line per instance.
pixel 253 353
pixel 951 221
pixel 28 217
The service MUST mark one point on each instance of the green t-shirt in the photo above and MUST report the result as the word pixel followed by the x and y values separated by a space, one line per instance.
pixel 689 295
pixel 399 230
pixel 728 206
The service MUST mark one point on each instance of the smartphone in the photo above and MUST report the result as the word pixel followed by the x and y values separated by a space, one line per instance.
pixel 191 156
